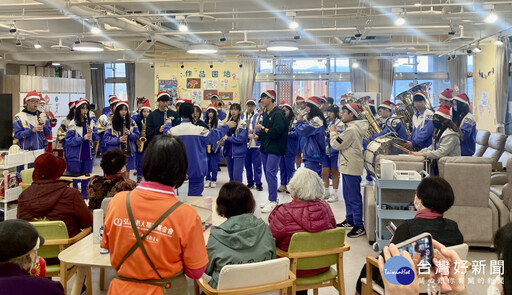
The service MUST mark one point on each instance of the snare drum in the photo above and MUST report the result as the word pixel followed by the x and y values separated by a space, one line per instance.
pixel 384 145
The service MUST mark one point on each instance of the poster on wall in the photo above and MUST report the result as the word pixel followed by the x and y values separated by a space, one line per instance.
pixel 226 95
pixel 170 86
pixel 186 95
pixel 209 93
pixel 211 84
pixel 194 83
pixel 224 84
pixel 197 96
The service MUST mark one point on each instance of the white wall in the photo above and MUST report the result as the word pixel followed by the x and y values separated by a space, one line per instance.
pixel 144 84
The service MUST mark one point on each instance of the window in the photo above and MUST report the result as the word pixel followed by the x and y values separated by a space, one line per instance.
pixel 337 89
pixel 308 88
pixel 266 66
pixel 115 81
pixel 309 65
pixel 260 87
pixel 340 65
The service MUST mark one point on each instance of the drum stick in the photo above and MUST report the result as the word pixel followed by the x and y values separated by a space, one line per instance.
pixel 401 148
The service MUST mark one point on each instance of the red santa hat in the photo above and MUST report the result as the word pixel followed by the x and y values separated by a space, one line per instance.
pixel 111 98
pixel 271 94
pixel 343 97
pixel 80 102
pixel 31 95
pixel 212 107
pixel 214 96
pixel 444 111
pixel 123 102
pixel 371 101
pixel 180 100
pixel 188 101
pixel 462 97
pixel 285 104
pixel 199 106
pixel 387 104
pixel 146 104
pixel 355 108
pixel 114 101
pixel 71 104
pixel 299 99
pixel 140 99
pixel 163 95
pixel 447 94
pixel 420 95
pixel 315 100
pixel 41 98
pixel 323 99
pixel 250 100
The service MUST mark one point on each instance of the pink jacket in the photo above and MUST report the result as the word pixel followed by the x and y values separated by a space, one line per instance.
pixel 299 216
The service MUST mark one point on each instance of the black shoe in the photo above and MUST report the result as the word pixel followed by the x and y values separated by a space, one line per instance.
pixel 259 188
pixel 250 185
pixel 218 169
pixel 357 231
pixel 345 224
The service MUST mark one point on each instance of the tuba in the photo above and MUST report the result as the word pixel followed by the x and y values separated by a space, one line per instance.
pixel 373 125
pixel 142 139
pixel 405 109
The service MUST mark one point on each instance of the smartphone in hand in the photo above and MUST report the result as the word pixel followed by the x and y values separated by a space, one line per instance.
pixel 420 247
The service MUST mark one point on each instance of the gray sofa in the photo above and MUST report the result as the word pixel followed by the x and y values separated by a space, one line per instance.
pixel 504 201
pixel 482 139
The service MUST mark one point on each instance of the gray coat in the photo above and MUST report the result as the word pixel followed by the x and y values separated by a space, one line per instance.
pixel 449 146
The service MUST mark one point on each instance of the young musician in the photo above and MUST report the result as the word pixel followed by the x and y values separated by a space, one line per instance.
pixel 104 120
pixel 235 144
pixel 287 164
pixel 312 127
pixel 463 118
pixel 214 99
pixel 108 110
pixel 330 161
pixel 423 128
pixel 196 138
pixel 446 97
pixel 61 132
pixel 212 150
pixel 135 113
pixel 161 116
pixel 300 102
pixel 197 116
pixel 122 133
pixel 253 156
pixel 30 128
pixel 349 143
pixel 141 122
pixel 80 138
pixel 392 125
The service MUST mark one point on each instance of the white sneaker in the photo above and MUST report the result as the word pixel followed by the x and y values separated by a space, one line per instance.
pixel 326 194
pixel 366 183
pixel 207 183
pixel 332 199
pixel 281 189
pixel 262 205
pixel 213 184
pixel 269 207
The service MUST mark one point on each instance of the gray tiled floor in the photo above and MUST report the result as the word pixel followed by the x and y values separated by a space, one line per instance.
pixel 353 260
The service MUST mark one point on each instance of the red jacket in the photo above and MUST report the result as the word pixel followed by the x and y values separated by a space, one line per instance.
pixel 299 216
pixel 55 200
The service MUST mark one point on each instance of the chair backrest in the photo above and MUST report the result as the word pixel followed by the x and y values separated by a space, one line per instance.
pixel 482 139
pixel 26 175
pixel 461 173
pixel 104 205
pixel 496 145
pixel 237 276
pixel 51 230
pixel 507 153
pixel 324 240
pixel 461 250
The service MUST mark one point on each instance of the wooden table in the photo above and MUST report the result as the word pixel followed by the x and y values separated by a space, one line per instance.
pixel 85 254
pixel 71 178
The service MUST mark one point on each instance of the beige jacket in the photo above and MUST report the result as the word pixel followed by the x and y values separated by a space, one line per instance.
pixel 449 146
pixel 350 145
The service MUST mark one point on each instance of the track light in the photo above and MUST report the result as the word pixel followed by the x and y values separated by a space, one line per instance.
pixel 183 27
pixel 477 48
pixel 400 21
pixel 498 42
pixel 296 37
pixel 491 18
pixel 355 64
pixel 77 41
pixel 37 45
pixel 18 42
pixel 293 24
pixel 12 29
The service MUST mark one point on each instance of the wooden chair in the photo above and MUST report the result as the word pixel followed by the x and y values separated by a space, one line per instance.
pixel 56 239
pixel 104 207
pixel 318 250
pixel 371 262
pixel 251 278
pixel 26 178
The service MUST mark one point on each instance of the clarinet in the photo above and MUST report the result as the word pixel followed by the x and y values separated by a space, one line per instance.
pixel 124 145
pixel 45 141
pixel 91 144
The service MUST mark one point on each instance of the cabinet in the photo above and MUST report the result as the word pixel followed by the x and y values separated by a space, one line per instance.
pixel 383 236
pixel 8 205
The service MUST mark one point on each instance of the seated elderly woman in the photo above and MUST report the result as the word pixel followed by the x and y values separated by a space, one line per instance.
pixel 243 238
pixel 307 212
pixel 168 232
pixel 116 178
pixel 434 196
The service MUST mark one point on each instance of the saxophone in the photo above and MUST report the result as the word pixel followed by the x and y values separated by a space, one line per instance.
pixel 142 139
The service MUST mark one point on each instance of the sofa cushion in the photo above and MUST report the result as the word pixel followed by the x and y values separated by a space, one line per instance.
pixel 497 189
pixel 496 145
pixel 475 230
pixel 482 138
pixel 507 153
